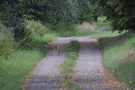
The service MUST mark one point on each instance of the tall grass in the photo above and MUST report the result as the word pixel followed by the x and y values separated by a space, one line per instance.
pixel 119 57
pixel 68 66
pixel 6 41
pixel 15 70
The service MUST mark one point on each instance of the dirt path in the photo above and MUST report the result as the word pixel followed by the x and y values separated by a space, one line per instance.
pixel 87 71
pixel 47 74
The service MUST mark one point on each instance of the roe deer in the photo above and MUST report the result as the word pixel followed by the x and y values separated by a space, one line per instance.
pixel 51 47
pixel 29 46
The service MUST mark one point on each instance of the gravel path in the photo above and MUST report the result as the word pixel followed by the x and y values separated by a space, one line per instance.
pixel 47 75
pixel 88 74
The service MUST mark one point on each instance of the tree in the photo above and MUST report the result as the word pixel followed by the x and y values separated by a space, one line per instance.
pixel 61 11
pixel 88 10
pixel 120 12
pixel 10 16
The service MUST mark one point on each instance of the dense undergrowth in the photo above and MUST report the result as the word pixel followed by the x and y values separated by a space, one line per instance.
pixel 16 60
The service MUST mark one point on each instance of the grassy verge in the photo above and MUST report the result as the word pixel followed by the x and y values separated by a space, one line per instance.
pixel 68 66
pixel 15 70
pixel 119 57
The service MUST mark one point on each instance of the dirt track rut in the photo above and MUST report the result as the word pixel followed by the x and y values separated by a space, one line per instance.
pixel 87 73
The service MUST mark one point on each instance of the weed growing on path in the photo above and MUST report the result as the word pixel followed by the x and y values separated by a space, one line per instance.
pixel 68 66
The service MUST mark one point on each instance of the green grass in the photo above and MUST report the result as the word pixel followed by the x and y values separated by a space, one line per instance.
pixel 70 84
pixel 68 66
pixel 117 57
pixel 97 33
pixel 15 70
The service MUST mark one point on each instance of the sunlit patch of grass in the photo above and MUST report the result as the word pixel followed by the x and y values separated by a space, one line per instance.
pixel 68 66
pixel 82 32
pixel 15 70
pixel 101 34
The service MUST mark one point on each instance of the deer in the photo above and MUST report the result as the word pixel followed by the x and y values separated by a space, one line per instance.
pixel 52 46
pixel 29 46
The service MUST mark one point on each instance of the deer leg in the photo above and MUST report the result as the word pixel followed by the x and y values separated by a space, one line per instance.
pixel 58 51
pixel 51 52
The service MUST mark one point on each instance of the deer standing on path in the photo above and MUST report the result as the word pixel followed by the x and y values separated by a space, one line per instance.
pixel 51 47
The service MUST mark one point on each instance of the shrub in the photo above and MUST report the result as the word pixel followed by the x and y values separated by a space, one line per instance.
pixel 64 29
pixel 37 31
pixel 6 41
pixel 36 27
pixel 132 43
pixel 48 38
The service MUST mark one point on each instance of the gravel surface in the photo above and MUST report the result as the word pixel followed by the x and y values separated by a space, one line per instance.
pixel 88 74
pixel 46 75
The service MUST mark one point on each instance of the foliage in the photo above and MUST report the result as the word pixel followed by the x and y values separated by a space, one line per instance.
pixel 88 10
pixel 48 38
pixel 6 41
pixel 33 9
pixel 61 11
pixel 120 12
pixel 122 62
pixel 36 27
pixel 68 12
pixel 94 30
pixel 15 70
pixel 10 16
pixel 36 31
pixel 50 11
pixel 64 29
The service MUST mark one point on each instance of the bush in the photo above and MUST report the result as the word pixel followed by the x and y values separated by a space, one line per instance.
pixel 132 43
pixel 48 38
pixel 64 29
pixel 36 27
pixel 36 30
pixel 6 41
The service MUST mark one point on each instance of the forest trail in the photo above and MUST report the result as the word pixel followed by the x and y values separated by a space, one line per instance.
pixel 89 73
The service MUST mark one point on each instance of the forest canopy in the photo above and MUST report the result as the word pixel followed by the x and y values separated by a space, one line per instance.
pixel 121 13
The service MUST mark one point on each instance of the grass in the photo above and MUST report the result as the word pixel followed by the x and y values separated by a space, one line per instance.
pixel 68 66
pixel 70 84
pixel 118 57
pixel 15 70
pixel 117 51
